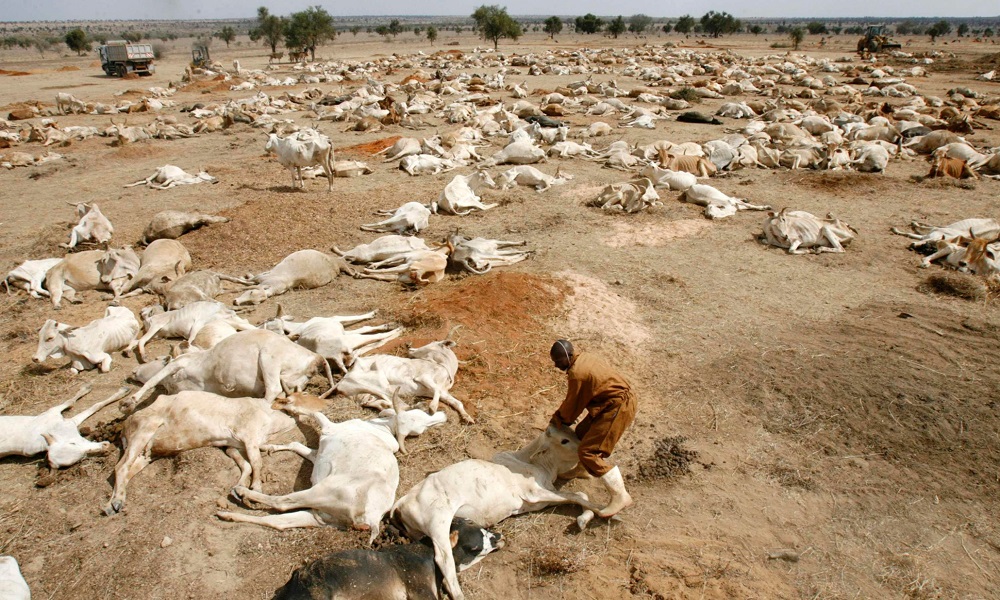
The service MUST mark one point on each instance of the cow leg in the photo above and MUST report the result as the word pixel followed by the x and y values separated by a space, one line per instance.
pixel 352 319
pixel 378 277
pixel 794 248
pixel 314 497
pixel 912 236
pixel 302 518
pixel 296 447
pixel 440 534
pixel 831 238
pixel 942 253
pixel 136 457
pixel 252 451
pixel 61 408
pixel 741 205
pixel 246 470
pixel 83 416
pixel 35 286
pixel 270 372
pixel 450 400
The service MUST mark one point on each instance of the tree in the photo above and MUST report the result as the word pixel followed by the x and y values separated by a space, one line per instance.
pixel 667 27
pixel 395 27
pixel 756 30
pixel 493 23
pixel 132 36
pixel 963 29
pixel 684 25
pixel 226 34
pixel 616 27
pixel 382 30
pixel 553 26
pixel 637 24
pixel 417 31
pixel 816 28
pixel 270 28
pixel 77 41
pixel 942 27
pixel 719 23
pixel 588 23
pixel 355 30
pixel 797 34
pixel 309 28
pixel 41 44
pixel 988 32
pixel 432 34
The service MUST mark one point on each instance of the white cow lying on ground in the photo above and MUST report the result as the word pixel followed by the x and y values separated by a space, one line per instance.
pixel 928 235
pixel 716 203
pixel 972 255
pixel 675 181
pixel 186 323
pixel 796 229
pixel 517 153
pixel 345 490
pixel 404 146
pixel 12 583
pixel 93 226
pixel 163 261
pixel 408 219
pixel 91 345
pixel 327 337
pixel 189 420
pixel 305 269
pixel 172 224
pixel 419 267
pixel 487 492
pixel 630 196
pixel 193 287
pixel 383 248
pixel 81 271
pixel 257 363
pixel 169 176
pixel 303 149
pixel 52 433
pixel 426 164
pixel 30 275
pixel 461 195
pixel 429 372
pixel 530 176
pixel 479 255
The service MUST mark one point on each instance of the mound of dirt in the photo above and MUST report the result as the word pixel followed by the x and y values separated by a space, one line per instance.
pixel 68 68
pixel 595 310
pixel 960 285
pixel 844 183
pixel 504 338
pixel 370 148
pixel 668 460
pixel 14 73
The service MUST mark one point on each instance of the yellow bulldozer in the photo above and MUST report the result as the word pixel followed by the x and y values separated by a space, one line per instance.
pixel 876 40
pixel 199 56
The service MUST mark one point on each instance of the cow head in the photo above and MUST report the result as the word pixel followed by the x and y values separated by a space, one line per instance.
pixel 51 340
pixel 470 543
pixel 66 451
pixel 253 296
pixel 555 450
pixel 118 263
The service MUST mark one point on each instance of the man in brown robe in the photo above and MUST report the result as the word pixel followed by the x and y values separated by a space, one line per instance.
pixel 607 397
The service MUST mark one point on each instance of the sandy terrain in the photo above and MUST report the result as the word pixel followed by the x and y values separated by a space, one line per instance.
pixel 809 427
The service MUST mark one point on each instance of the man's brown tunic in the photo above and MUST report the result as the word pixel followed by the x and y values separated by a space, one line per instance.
pixel 597 387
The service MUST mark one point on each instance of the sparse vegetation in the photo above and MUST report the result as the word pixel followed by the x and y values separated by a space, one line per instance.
pixel 797 34
pixel 553 26
pixel 494 24
pixel 77 41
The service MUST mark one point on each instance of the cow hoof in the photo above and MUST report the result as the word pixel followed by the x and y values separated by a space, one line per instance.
pixel 113 508
pixel 239 492
pixel 225 516
pixel 584 519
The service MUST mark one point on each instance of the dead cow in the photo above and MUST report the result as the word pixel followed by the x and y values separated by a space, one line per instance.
pixel 89 346
pixel 487 492
pixel 945 166
pixel 345 491
pixel 327 337
pixel 169 176
pixel 305 269
pixel 256 363
pixel 796 230
pixel 383 248
pixel 193 287
pixel 408 219
pixel 479 255
pixel 400 571
pixel 93 227
pixel 54 434
pixel 189 420
pixel 30 275
pixel 172 224
pixel 163 261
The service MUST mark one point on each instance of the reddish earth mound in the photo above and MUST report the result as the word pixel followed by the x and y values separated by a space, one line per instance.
pixel 371 148
pixel 504 338
pixel 13 73
pixel 68 68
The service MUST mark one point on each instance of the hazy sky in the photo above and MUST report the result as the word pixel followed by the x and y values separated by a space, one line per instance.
pixel 41 10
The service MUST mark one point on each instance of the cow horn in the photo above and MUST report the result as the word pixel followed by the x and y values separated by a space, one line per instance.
pixel 397 405
pixel 452 331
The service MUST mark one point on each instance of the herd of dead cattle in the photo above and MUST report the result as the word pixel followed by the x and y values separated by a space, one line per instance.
pixel 794 112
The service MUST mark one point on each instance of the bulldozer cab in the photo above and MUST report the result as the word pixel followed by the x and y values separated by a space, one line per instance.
pixel 199 56
pixel 876 40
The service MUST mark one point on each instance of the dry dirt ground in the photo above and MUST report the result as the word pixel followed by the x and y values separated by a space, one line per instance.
pixel 810 426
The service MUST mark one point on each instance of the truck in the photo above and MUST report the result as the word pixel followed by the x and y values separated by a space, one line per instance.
pixel 876 40
pixel 119 58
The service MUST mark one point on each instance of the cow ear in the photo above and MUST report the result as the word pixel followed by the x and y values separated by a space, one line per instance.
pixel 454 538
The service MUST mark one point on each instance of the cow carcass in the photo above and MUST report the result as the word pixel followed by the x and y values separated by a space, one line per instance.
pixel 93 227
pixel 256 363
pixel 305 269
pixel 172 224
pixel 192 419
pixel 327 337
pixel 408 219
pixel 163 261
pixel 479 255
pixel 797 230
pixel 383 248
pixel 487 492
pixel 345 491
pixel 169 176
pixel 186 323
pixel 717 204
pixel 30 275
pixel 54 434
pixel 461 195
pixel 91 345
pixel 629 196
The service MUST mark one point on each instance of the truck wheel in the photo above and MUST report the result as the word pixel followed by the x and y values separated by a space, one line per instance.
pixel 121 71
